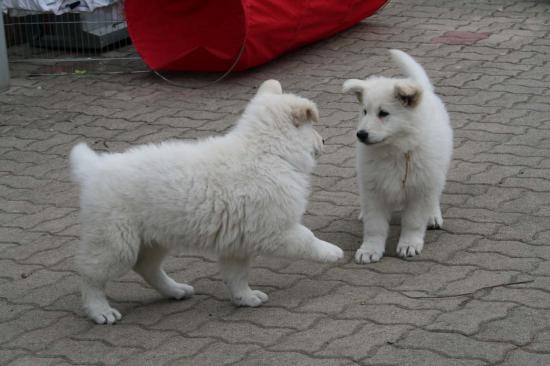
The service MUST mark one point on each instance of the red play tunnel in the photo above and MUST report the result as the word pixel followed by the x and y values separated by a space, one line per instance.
pixel 210 35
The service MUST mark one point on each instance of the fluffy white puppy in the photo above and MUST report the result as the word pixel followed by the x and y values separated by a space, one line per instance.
pixel 237 196
pixel 403 154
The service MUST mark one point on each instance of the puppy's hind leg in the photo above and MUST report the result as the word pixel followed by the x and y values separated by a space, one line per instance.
pixel 98 260
pixel 435 221
pixel 234 271
pixel 149 266
pixel 413 227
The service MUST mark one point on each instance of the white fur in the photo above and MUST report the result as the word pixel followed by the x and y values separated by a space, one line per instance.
pixel 237 196
pixel 421 131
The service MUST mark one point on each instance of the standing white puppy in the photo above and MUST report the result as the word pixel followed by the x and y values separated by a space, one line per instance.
pixel 237 196
pixel 404 151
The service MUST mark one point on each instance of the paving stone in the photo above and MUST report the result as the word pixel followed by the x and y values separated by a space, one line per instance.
pixel 526 296
pixel 477 280
pixel 520 357
pixel 270 358
pixel 39 361
pixel 512 249
pixel 437 278
pixel 170 350
pixel 541 343
pixel 389 314
pixel 87 351
pixel 489 260
pixel 39 338
pixel 526 229
pixel 391 355
pixel 301 292
pixel 518 327
pixel 469 318
pixel 7 355
pixel 187 315
pixel 454 345
pixel 317 337
pixel 359 344
pixel 221 354
pixel 235 332
pixel 274 317
pixel 128 336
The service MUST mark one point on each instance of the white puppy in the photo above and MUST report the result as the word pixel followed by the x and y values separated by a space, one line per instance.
pixel 237 196
pixel 404 150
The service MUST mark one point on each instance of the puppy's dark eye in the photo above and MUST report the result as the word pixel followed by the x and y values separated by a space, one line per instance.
pixel 364 111
pixel 383 113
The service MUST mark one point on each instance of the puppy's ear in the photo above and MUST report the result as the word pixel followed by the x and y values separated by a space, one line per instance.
pixel 270 86
pixel 408 93
pixel 304 112
pixel 356 87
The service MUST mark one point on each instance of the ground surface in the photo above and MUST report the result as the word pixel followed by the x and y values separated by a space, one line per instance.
pixel 436 309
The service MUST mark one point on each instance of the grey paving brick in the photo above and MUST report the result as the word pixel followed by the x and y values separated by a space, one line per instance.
pixel 536 298
pixel 455 345
pixel 361 343
pixel 221 354
pixel 176 349
pixel 471 317
pixel 520 357
pixel 239 332
pixel 518 327
pixel 388 314
pixel 391 355
pixel 270 358
pixel 41 361
pixel 275 317
pixel 316 337
pixel 87 351
pixel 40 338
pixel 541 342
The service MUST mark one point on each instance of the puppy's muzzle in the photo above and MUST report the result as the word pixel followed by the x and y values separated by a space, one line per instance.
pixel 318 145
pixel 362 136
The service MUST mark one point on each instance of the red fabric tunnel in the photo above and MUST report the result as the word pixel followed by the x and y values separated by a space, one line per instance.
pixel 208 35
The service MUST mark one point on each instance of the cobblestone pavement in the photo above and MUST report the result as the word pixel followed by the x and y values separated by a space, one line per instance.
pixel 453 305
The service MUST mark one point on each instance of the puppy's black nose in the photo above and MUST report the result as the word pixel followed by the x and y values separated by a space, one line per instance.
pixel 362 135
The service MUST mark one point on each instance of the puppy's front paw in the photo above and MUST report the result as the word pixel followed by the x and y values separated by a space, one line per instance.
pixel 327 252
pixel 252 298
pixel 104 314
pixel 179 291
pixel 409 249
pixel 368 255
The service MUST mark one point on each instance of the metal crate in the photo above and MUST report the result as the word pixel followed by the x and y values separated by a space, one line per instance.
pixel 70 43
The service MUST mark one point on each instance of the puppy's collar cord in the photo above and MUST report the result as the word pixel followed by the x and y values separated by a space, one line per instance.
pixel 407 167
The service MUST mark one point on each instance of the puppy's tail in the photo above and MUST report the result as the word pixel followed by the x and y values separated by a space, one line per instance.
pixel 412 69
pixel 83 162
